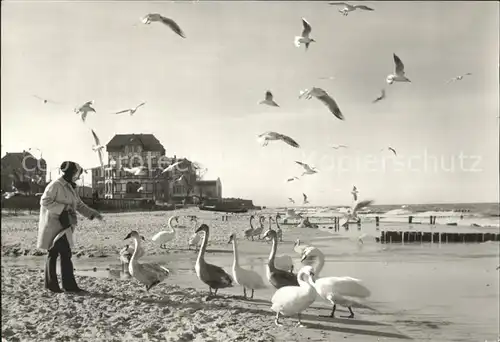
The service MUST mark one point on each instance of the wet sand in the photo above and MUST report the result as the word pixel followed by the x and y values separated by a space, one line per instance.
pixel 419 292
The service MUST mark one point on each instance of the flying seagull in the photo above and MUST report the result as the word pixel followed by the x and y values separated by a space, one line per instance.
pixel 171 167
pixel 131 110
pixel 269 100
pixel 167 21
pixel 327 78
pixel 291 200
pixel 98 148
pixel 269 136
pixel 84 109
pixel 292 179
pixel 349 8
pixel 339 146
pixel 45 100
pixel 323 96
pixel 399 72
pixel 136 171
pixel 307 168
pixel 381 97
pixel 458 78
pixel 305 198
pixel 304 38
pixel 352 213
pixel 390 149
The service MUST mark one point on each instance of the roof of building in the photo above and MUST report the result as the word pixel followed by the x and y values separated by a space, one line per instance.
pixel 14 160
pixel 147 141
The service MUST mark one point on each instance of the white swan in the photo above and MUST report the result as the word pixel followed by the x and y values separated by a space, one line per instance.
pixel 344 291
pixel 194 240
pixel 247 278
pixel 291 300
pixel 166 235
pixel 249 232
pixel 147 274
pixel 298 248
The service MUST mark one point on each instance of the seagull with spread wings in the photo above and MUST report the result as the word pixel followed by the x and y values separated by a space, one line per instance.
pixel 304 37
pixel 305 198
pixel 399 71
pixel 167 21
pixel 352 213
pixel 336 147
pixel 136 171
pixel 271 136
pixel 85 109
pixel 269 100
pixel 349 8
pixel 291 200
pixel 171 166
pixel 307 168
pixel 459 78
pixel 381 97
pixel 98 148
pixel 326 99
pixel 292 179
pixel 130 110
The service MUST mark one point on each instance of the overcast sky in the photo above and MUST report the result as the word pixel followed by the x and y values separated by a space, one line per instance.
pixel 202 92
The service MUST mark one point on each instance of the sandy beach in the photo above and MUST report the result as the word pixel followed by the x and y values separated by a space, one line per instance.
pixel 419 292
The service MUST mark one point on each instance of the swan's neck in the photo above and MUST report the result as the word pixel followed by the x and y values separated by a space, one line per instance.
pixel 236 261
pixel 277 224
pixel 273 254
pixel 262 224
pixel 306 284
pixel 169 224
pixel 270 225
pixel 318 266
pixel 251 224
pixel 137 245
pixel 201 254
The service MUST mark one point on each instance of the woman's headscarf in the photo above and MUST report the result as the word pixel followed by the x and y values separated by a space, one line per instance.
pixel 71 172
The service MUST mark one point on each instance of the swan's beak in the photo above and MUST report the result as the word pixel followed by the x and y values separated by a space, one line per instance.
pixel 304 257
pixel 128 236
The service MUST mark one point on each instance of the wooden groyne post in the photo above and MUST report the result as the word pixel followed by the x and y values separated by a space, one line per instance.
pixel 433 237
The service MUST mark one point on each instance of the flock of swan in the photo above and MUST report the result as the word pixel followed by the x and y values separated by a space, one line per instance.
pixel 294 292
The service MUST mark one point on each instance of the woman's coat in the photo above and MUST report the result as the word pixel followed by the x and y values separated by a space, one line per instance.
pixel 58 195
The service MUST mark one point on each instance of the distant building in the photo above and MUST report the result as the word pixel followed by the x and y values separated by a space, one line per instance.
pixel 24 172
pixel 208 189
pixel 84 191
pixel 98 181
pixel 136 150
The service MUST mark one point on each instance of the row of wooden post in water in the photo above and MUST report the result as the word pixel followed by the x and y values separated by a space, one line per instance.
pixel 398 236
pixel 431 237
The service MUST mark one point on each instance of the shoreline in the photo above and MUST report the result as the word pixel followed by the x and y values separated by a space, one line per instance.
pixel 409 284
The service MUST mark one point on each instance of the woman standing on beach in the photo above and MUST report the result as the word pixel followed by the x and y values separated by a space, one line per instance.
pixel 58 206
